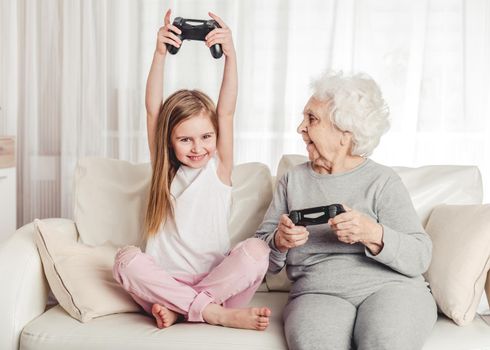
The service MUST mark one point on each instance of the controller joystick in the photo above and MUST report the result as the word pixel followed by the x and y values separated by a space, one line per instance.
pixel 195 29
pixel 316 215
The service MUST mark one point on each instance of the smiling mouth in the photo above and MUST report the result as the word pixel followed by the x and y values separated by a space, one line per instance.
pixel 197 158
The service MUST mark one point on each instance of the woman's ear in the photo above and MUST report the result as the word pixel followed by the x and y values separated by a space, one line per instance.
pixel 345 138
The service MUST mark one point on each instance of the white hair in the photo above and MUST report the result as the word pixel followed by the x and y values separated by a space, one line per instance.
pixel 358 107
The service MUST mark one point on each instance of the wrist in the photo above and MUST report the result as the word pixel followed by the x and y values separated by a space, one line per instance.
pixel 277 244
pixel 375 243
pixel 159 54
pixel 231 54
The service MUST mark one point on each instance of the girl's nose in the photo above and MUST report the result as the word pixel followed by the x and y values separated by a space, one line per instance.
pixel 196 147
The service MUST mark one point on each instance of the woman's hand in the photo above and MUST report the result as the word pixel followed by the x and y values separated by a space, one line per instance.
pixel 352 227
pixel 166 35
pixel 288 235
pixel 221 36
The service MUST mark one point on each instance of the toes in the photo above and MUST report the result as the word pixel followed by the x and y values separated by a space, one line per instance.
pixel 261 327
pixel 265 312
pixel 156 308
pixel 263 319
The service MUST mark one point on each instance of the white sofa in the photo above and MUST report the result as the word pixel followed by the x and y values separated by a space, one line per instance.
pixel 27 323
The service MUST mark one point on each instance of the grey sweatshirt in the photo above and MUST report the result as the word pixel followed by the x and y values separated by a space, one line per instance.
pixel 325 264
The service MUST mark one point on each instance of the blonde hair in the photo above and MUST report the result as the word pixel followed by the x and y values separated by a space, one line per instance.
pixel 178 107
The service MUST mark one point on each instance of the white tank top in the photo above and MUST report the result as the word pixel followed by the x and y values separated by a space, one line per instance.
pixel 196 239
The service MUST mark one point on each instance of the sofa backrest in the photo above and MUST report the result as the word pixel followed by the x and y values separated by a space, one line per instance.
pixel 110 195
pixel 428 186
pixel 110 198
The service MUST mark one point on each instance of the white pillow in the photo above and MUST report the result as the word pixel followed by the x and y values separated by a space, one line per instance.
pixel 460 258
pixel 80 276
pixel 433 185
pixel 251 196
pixel 111 199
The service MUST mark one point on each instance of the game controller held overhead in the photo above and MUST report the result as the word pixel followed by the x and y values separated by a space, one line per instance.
pixel 195 29
pixel 316 215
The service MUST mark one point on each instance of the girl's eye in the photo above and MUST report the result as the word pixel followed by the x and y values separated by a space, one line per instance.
pixel 185 139
pixel 207 136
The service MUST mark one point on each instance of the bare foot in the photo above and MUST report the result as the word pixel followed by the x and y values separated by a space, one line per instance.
pixel 164 317
pixel 252 318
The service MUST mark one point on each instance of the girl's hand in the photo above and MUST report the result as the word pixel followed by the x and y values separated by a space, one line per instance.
pixel 352 227
pixel 166 35
pixel 221 36
pixel 288 235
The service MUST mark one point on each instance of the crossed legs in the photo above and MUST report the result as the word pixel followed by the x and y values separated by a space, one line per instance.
pixel 213 300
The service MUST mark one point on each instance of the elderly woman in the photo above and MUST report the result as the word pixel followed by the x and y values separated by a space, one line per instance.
pixel 356 280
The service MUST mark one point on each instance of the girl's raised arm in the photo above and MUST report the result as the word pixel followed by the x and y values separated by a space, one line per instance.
pixel 227 97
pixel 154 84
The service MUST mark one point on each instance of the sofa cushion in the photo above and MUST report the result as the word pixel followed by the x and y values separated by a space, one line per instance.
pixel 460 258
pixel 111 197
pixel 56 330
pixel 80 276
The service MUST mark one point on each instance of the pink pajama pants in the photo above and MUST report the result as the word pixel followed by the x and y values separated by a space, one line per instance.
pixel 232 283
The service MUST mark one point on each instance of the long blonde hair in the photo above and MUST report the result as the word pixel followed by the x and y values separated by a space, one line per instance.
pixel 178 107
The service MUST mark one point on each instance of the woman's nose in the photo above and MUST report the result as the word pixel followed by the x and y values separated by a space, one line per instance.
pixel 301 127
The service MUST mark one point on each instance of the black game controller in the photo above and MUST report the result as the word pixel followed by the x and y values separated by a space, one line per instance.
pixel 195 29
pixel 315 216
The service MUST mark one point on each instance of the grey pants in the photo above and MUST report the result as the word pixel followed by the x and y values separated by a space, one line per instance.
pixel 396 317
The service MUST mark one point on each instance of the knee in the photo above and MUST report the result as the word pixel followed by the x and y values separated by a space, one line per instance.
pixel 122 260
pixel 387 338
pixel 257 249
pixel 382 340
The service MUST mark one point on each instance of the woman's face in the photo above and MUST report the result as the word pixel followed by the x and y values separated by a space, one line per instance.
pixel 321 136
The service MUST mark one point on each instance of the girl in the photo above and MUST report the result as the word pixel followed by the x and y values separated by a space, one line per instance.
pixel 188 269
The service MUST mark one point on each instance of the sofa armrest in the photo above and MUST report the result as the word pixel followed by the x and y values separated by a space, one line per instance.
pixel 24 289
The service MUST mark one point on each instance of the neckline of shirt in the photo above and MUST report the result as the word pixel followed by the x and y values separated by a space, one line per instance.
pixel 348 172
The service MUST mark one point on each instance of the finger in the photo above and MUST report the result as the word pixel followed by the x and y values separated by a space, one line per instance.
pixel 300 242
pixel 295 230
pixel 214 32
pixel 294 237
pixel 286 221
pixel 345 225
pixel 170 36
pixel 344 217
pixel 287 232
pixel 166 19
pixel 171 42
pixel 215 41
pixel 174 29
pixel 217 19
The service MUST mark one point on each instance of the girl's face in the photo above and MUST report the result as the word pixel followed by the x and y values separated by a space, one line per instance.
pixel 194 141
pixel 321 137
